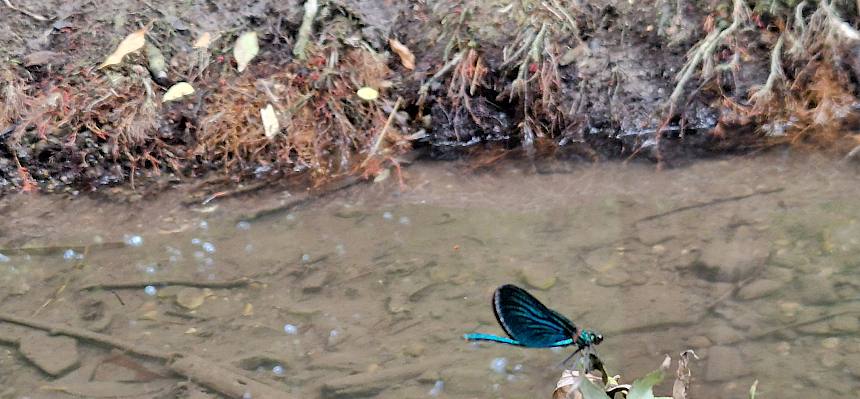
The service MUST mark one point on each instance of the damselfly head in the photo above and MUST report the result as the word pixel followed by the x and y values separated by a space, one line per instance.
pixel 587 338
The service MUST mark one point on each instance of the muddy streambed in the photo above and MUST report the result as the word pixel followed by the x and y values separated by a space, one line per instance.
pixel 751 262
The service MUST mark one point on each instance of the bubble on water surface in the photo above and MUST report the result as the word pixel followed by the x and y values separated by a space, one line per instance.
pixel 150 269
pixel 150 290
pixel 203 225
pixel 70 254
pixel 133 240
pixel 243 225
pixel 249 248
pixel 291 329
pixel 208 247
pixel 518 368
pixel 340 249
pixel 4 258
pixel 499 365
pixel 195 241
pixel 387 216
pixel 199 254
pixel 246 395
pixel 306 258
pixel 404 220
pixel 278 370
pixel 291 217
pixel 437 388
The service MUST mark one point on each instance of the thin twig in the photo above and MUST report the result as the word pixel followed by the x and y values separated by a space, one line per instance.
pixel 709 203
pixel 202 371
pixel 242 282
pixel 381 138
pixel 25 12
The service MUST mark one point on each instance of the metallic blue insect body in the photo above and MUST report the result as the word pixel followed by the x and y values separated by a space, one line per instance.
pixel 531 324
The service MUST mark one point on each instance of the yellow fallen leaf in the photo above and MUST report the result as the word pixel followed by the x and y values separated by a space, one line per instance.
pixel 407 59
pixel 133 42
pixel 177 91
pixel 368 93
pixel 270 121
pixel 203 41
pixel 245 49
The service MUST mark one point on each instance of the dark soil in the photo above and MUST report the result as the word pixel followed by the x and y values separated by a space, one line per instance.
pixel 666 81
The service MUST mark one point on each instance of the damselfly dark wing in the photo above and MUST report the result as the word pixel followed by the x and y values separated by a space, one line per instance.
pixel 527 320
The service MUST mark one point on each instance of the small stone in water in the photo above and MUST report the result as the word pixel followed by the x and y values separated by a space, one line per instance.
pixel 499 365
pixel 306 258
pixel 278 370
pixel 150 290
pixel 437 388
pixel 404 220
pixel 243 225
pixel 134 240
pixel 291 329
pixel 209 247
pixel 4 258
pixel 387 216
pixel 195 241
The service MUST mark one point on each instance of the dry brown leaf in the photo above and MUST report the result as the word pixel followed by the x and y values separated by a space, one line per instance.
pixel 133 42
pixel 407 59
pixel 203 41
pixel 270 121
pixel 245 49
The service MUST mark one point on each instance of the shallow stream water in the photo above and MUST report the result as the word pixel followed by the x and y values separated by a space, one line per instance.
pixel 751 262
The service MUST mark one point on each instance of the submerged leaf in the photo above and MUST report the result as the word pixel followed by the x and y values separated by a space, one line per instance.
pixel 643 387
pixel 133 42
pixel 177 91
pixel 591 391
pixel 753 389
pixel 245 49
pixel 270 121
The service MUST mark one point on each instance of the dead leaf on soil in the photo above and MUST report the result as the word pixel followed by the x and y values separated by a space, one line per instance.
pixel 203 41
pixel 368 93
pixel 407 59
pixel 270 121
pixel 133 42
pixel 245 49
pixel 177 91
